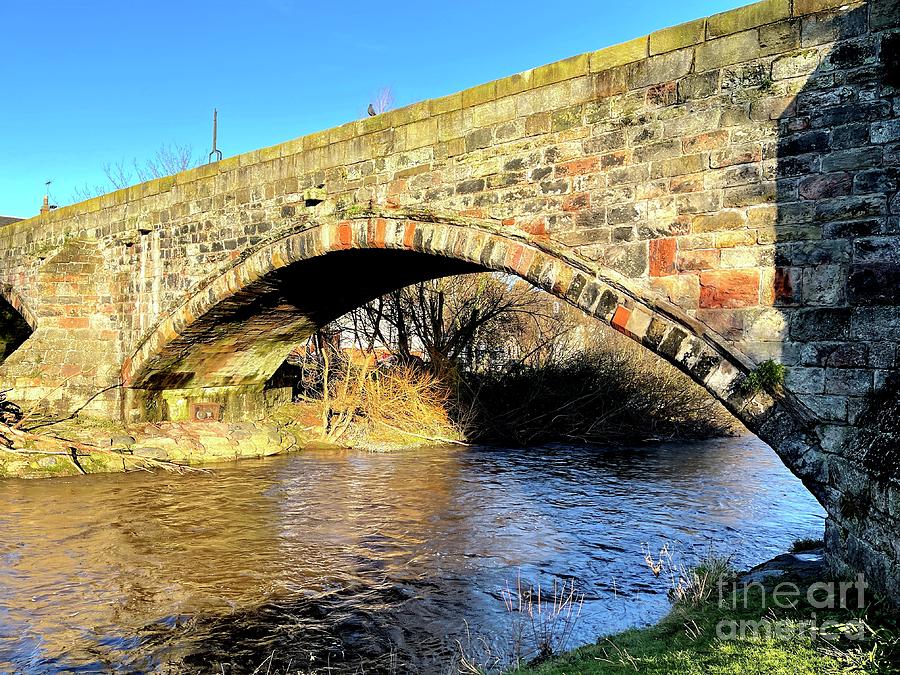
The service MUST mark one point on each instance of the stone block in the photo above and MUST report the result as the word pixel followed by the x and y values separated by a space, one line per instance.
pixel 150 453
pixel 877 180
pixel 710 140
pixel 877 250
pixel 747 17
pixel 849 136
pixel 657 151
pixel 730 239
pixel 813 6
pixel 726 51
pixel 823 285
pixel 885 131
pixel 795 64
pixel 817 29
pixel 699 202
pixel 480 94
pixel 808 141
pixel 850 207
pixel 663 68
pixel 561 70
pixel 821 186
pixel 828 408
pixel 880 324
pixel 848 355
pixel 662 257
pixel 805 380
pixel 810 325
pixel 677 37
pixel 777 38
pixel 767 325
pixel 735 154
pixel 874 284
pixel 772 108
pixel 629 259
pixel 682 290
pixel 746 256
pixel 678 166
pixel 698 86
pixel 721 289
pixel 620 54
pixel 750 195
pixel 699 259
pixel 480 138
pixel 883 355
pixel 848 381
pixel 853 159
pixel 609 82
pixel 884 14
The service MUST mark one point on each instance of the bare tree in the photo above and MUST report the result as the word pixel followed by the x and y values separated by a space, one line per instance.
pixel 457 319
pixel 168 159
pixel 383 100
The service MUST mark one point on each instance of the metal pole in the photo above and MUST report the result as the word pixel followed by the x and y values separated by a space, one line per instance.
pixel 215 151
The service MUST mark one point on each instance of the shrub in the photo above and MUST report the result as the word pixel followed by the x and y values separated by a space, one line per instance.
pixel 616 391
pixel 767 375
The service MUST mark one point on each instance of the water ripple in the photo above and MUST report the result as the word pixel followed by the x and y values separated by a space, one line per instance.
pixel 344 558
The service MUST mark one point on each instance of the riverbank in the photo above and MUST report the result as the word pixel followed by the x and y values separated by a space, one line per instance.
pixel 353 403
pixel 85 445
pixel 787 616
pixel 89 446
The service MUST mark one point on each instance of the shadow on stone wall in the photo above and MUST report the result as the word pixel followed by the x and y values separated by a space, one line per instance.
pixel 836 264
pixel 14 330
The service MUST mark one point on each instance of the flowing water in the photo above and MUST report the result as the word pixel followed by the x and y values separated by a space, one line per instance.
pixel 359 562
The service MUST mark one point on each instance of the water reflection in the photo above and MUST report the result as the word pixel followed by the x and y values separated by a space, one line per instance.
pixel 333 558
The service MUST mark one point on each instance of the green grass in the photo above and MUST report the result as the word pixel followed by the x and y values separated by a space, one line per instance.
pixel 685 643
pixel 766 376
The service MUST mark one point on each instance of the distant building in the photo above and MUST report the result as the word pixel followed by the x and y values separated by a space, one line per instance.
pixel 6 220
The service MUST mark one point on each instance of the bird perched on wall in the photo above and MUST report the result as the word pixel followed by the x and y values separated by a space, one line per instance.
pixel 371 110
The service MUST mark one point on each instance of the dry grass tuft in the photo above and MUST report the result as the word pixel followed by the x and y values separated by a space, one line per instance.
pixel 690 586
pixel 541 623
pixel 383 407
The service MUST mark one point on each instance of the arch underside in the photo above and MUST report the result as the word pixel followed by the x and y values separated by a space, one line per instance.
pixel 235 333
pixel 244 338
pixel 16 323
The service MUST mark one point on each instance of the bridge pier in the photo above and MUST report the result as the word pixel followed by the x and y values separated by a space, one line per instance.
pixel 235 403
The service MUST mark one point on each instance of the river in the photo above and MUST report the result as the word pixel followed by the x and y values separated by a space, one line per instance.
pixel 359 562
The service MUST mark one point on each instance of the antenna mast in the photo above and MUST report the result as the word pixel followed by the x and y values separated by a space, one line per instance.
pixel 215 151
pixel 47 206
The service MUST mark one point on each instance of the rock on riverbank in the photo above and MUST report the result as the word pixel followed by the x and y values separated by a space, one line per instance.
pixel 86 446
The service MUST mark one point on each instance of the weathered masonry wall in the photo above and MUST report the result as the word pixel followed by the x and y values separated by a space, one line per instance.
pixel 724 191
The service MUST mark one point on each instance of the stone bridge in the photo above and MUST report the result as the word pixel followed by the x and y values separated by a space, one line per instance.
pixel 724 192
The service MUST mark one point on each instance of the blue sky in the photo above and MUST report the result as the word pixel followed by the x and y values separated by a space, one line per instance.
pixel 90 83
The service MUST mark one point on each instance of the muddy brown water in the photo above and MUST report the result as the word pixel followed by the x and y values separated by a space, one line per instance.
pixel 356 562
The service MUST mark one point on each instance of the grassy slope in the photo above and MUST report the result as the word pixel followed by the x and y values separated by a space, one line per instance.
pixel 685 643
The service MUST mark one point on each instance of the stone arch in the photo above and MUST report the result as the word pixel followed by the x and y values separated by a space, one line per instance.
pixel 17 321
pixel 162 359
pixel 18 303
